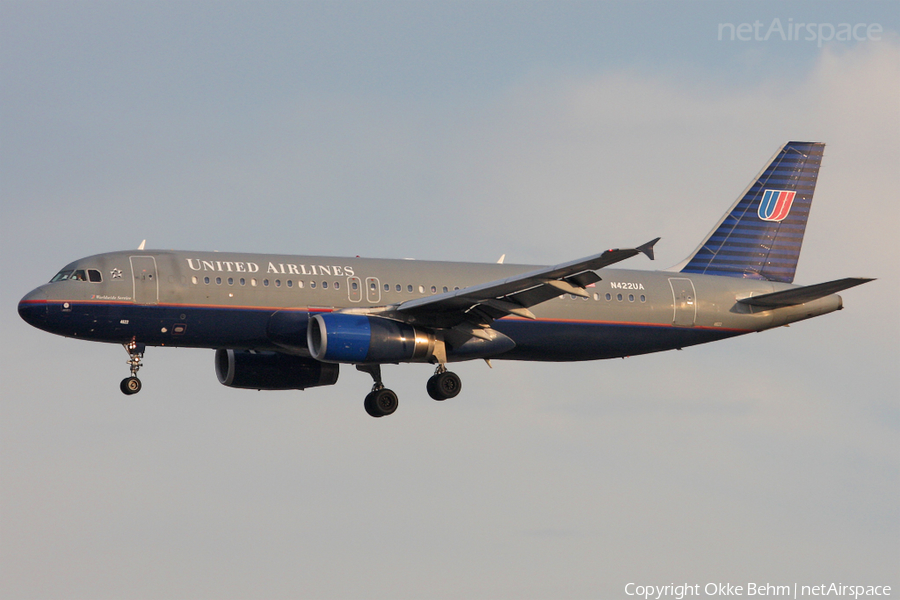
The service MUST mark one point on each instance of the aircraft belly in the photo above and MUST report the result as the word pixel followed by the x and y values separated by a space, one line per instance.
pixel 161 325
pixel 555 341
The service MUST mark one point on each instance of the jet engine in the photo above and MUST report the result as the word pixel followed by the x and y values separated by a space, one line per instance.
pixel 349 338
pixel 272 370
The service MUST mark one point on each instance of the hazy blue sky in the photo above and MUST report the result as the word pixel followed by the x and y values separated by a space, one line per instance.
pixel 458 131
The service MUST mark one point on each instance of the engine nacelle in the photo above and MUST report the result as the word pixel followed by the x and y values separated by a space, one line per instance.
pixel 272 370
pixel 349 338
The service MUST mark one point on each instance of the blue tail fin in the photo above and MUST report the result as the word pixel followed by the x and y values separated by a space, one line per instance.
pixel 760 237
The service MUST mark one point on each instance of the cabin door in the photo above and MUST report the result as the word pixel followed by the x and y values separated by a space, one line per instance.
pixel 146 283
pixel 685 301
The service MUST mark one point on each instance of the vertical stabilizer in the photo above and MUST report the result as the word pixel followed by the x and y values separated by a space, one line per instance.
pixel 760 237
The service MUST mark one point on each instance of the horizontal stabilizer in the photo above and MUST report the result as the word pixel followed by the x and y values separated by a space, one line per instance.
pixel 800 295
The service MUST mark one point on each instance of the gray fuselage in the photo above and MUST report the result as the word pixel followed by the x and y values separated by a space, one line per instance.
pixel 263 302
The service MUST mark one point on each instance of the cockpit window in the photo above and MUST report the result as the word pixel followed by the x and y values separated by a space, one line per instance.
pixel 78 275
pixel 62 276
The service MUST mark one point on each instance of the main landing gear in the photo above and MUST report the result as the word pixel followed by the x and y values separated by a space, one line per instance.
pixel 443 384
pixel 381 401
pixel 132 385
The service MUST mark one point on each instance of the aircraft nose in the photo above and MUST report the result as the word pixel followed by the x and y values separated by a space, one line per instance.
pixel 33 307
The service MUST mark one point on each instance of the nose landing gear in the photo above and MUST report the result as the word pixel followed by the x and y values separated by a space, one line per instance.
pixel 132 385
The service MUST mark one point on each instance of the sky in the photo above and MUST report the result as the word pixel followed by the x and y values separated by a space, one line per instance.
pixel 447 131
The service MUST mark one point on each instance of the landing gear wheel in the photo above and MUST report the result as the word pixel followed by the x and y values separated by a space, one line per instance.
pixel 370 405
pixel 130 385
pixel 381 403
pixel 432 391
pixel 442 386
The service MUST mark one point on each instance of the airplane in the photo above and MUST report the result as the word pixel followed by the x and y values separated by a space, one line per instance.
pixel 280 322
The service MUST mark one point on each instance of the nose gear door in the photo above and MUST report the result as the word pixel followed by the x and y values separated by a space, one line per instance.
pixel 146 284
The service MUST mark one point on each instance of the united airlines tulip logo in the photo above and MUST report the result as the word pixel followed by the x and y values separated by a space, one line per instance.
pixel 775 205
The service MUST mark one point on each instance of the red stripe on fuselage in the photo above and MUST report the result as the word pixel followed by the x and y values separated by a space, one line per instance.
pixel 328 310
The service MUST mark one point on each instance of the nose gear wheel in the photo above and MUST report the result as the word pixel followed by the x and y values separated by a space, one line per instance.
pixel 132 385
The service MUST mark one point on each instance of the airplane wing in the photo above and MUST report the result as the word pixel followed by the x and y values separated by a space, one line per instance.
pixel 799 295
pixel 479 304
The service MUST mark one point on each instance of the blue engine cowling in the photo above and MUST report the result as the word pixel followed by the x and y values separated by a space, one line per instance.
pixel 348 338
pixel 272 370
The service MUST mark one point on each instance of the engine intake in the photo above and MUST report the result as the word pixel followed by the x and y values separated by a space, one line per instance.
pixel 272 370
pixel 348 338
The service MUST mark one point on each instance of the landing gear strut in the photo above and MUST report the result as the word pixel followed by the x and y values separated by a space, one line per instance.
pixel 443 384
pixel 132 385
pixel 381 401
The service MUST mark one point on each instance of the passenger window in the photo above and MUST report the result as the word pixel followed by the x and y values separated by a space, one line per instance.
pixel 324 285
pixel 290 283
pixel 194 280
pixel 643 298
pixel 445 289
pixel 94 275
pixel 231 281
pixel 337 285
pixel 409 288
pixel 399 287
pixel 387 287
pixel 312 284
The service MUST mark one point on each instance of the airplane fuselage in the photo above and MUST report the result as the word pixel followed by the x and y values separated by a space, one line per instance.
pixel 263 302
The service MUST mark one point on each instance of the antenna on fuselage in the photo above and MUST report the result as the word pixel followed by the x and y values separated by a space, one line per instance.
pixel 141 247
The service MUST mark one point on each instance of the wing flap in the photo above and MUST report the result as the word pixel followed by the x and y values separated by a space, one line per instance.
pixel 803 294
